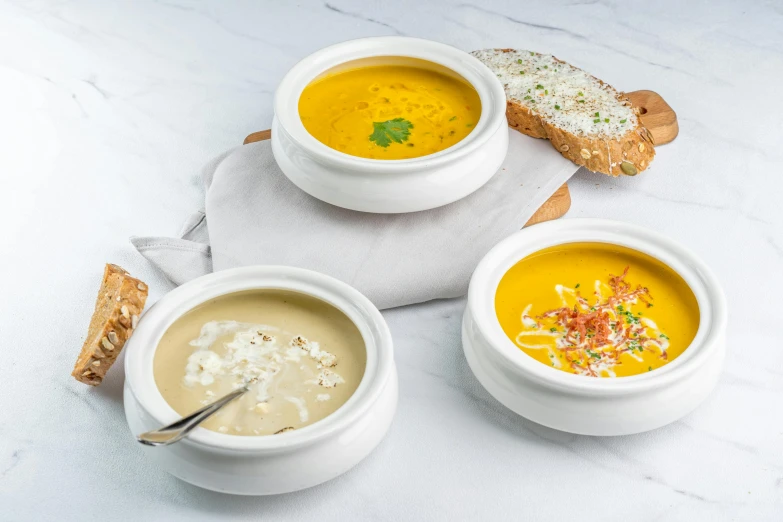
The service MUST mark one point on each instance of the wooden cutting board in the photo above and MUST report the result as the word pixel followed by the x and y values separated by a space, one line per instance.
pixel 656 115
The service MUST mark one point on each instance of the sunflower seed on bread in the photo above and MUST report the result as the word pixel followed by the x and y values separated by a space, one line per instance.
pixel 586 120
pixel 120 301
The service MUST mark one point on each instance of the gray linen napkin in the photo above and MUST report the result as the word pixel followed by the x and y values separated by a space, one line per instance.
pixel 254 215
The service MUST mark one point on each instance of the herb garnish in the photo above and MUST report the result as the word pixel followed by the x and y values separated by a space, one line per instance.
pixel 385 132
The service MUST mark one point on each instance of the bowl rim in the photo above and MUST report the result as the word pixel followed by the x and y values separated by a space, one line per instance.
pixel 471 69
pixel 701 280
pixel 156 320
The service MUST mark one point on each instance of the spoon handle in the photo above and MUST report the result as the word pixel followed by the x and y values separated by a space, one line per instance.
pixel 177 430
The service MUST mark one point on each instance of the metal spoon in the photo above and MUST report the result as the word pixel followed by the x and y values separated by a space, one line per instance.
pixel 176 431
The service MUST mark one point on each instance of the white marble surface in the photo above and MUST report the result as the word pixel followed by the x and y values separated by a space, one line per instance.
pixel 108 109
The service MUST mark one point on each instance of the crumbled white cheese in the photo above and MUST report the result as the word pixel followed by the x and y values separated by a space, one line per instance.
pixel 202 367
pixel 254 355
pixel 329 379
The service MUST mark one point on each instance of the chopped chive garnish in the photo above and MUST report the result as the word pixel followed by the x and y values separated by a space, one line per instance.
pixel 553 329
pixel 527 97
pixel 452 118
pixel 539 86
pixel 577 285
pixel 546 91
pixel 623 121
pixel 597 115
pixel 580 101
pixel 606 120
pixel 546 67
pixel 596 120
pixel 557 107
pixel 580 93
pixel 521 72
pixel 519 61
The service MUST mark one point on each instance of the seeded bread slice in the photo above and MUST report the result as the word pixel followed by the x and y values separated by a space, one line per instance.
pixel 120 301
pixel 587 121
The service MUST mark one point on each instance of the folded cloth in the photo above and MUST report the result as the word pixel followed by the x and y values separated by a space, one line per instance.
pixel 254 215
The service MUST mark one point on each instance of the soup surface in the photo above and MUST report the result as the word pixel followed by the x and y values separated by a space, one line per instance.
pixel 307 358
pixel 389 111
pixel 597 309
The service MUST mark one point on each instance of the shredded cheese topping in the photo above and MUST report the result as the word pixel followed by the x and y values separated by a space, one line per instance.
pixel 561 94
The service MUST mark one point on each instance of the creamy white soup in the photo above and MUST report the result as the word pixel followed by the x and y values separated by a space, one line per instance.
pixel 304 358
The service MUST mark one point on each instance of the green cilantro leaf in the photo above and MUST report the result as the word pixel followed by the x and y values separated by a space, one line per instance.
pixel 385 132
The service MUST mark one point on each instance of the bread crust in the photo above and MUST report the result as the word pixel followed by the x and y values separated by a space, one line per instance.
pixel 597 154
pixel 628 154
pixel 121 299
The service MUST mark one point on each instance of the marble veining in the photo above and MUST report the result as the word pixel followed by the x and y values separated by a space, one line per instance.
pixel 110 109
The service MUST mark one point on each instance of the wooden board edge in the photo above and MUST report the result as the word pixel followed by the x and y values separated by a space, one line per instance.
pixel 257 136
pixel 656 115
pixel 555 207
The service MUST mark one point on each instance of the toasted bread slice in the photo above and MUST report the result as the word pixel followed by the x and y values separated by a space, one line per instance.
pixel 587 121
pixel 120 301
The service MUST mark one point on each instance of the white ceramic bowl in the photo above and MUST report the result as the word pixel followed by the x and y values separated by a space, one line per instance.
pixel 389 186
pixel 577 403
pixel 269 464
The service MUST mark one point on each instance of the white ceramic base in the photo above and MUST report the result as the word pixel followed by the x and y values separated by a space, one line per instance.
pixel 389 194
pixel 585 415
pixel 241 473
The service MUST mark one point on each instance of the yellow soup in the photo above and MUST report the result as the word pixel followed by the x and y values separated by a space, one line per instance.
pixel 596 309
pixel 389 111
